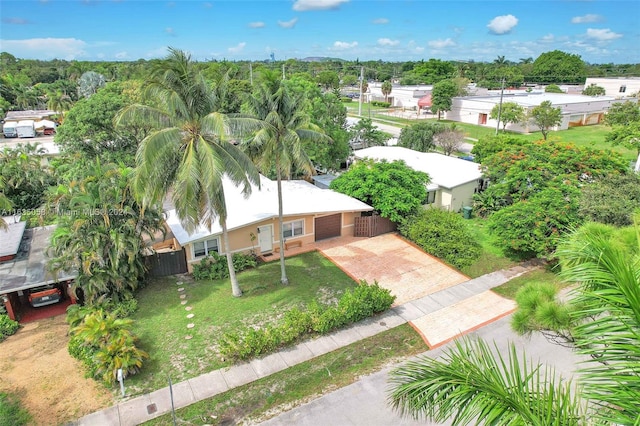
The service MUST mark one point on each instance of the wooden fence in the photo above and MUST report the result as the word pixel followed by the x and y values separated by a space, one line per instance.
pixel 169 263
pixel 370 226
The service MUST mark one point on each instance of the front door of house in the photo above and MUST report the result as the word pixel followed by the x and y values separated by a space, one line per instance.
pixel 265 238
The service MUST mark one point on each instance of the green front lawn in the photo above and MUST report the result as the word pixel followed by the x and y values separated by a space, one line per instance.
pixel 161 320
pixel 492 257
pixel 510 288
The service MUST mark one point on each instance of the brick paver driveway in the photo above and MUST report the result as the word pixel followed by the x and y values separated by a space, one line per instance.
pixel 397 265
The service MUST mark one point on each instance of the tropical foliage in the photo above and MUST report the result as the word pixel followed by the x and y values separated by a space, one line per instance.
pixel 611 199
pixel 24 179
pixel 279 143
pixel 420 136
pixel 545 117
pixel 187 153
pixel 475 384
pixel 508 113
pixel 392 188
pixel 101 233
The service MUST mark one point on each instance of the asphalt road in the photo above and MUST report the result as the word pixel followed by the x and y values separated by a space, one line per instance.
pixel 365 402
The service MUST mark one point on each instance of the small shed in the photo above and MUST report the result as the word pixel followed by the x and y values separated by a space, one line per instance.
pixel 323 181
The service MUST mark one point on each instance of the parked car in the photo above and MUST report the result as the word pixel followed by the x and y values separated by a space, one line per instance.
pixel 44 295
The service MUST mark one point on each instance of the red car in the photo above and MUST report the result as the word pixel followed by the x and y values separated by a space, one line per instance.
pixel 44 295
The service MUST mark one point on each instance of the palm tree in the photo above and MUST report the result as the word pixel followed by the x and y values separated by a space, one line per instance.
pixel 386 89
pixel 475 385
pixel 5 204
pixel 279 144
pixel 189 151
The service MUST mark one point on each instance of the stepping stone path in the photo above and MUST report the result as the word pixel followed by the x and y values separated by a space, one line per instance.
pixel 189 316
pixel 188 337
pixel 188 308
pixel 184 302
pixel 181 289
pixel 191 325
pixel 183 296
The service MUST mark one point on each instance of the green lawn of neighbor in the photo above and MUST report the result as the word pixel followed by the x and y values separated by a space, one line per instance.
pixel 161 320
pixel 492 257
pixel 510 288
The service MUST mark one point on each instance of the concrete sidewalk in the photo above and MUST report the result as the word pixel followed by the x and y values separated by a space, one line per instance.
pixel 448 303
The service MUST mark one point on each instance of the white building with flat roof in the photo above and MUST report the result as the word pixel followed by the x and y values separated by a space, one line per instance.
pixel 618 87
pixel 577 110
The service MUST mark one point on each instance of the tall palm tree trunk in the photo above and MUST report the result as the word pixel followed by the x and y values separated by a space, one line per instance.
pixel 235 287
pixel 283 279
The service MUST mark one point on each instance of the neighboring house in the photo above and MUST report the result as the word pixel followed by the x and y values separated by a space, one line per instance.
pixel 401 96
pixel 453 180
pixel 577 110
pixel 23 266
pixel 618 87
pixel 310 214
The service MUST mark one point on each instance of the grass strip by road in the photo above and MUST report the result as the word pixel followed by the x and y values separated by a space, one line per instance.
pixel 286 389
pixel 510 288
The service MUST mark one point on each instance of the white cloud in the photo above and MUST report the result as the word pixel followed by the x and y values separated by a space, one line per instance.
pixel 502 24
pixel 304 5
pixel 288 24
pixel 548 38
pixel 441 44
pixel 170 31
pixel 207 5
pixel 237 48
pixel 342 45
pixel 256 24
pixel 46 48
pixel 387 42
pixel 604 34
pixel 585 19
pixel 380 21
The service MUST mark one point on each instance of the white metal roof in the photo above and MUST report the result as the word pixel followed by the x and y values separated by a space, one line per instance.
pixel 299 198
pixel 535 99
pixel 444 170
pixel 11 237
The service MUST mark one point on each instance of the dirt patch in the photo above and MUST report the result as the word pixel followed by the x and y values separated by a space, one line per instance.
pixel 36 367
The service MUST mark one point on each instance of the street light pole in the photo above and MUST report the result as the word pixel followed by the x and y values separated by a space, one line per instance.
pixel 360 98
pixel 500 107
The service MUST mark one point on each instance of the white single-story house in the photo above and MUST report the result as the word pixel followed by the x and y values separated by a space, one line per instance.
pixel 310 214
pixel 453 180
pixel 577 110
pixel 618 87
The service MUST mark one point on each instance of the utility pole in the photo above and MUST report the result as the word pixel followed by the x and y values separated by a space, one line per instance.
pixel 500 106
pixel 251 73
pixel 360 99
pixel 283 71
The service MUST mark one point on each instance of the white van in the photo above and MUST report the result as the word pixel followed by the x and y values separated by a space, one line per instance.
pixel 9 129
pixel 26 129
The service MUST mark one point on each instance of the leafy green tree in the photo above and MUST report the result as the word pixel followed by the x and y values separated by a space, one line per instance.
pixel 611 199
pixel 443 234
pixel 420 136
pixel 188 150
pixel 510 113
pixel 622 113
pixel 441 96
pixel 545 116
pixel 5 204
pixel 386 89
pixel 431 71
pixel 474 384
pixel 279 143
pixel 553 88
pixel 559 67
pixel 329 114
pixel 492 144
pixel 594 90
pixel 89 83
pixel 349 80
pixel 89 127
pixel 531 228
pixel 392 188
pixel 328 80
pixel 25 179
pixel 367 133
pixel 100 233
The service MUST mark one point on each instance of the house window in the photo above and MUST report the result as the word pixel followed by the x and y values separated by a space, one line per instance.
pixel 431 197
pixel 623 89
pixel 202 248
pixel 293 229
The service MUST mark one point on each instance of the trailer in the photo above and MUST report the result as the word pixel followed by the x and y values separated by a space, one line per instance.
pixel 26 129
pixel 9 129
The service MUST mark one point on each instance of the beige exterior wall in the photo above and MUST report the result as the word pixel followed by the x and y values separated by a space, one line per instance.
pixel 240 240
pixel 454 199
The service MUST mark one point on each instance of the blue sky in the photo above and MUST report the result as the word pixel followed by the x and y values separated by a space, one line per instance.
pixel 600 31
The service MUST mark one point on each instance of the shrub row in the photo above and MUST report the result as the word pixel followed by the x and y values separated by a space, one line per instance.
pixel 214 266
pixel 364 301
pixel 381 104
pixel 8 327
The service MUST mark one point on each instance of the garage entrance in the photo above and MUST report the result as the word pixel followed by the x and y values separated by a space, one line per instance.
pixel 328 226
